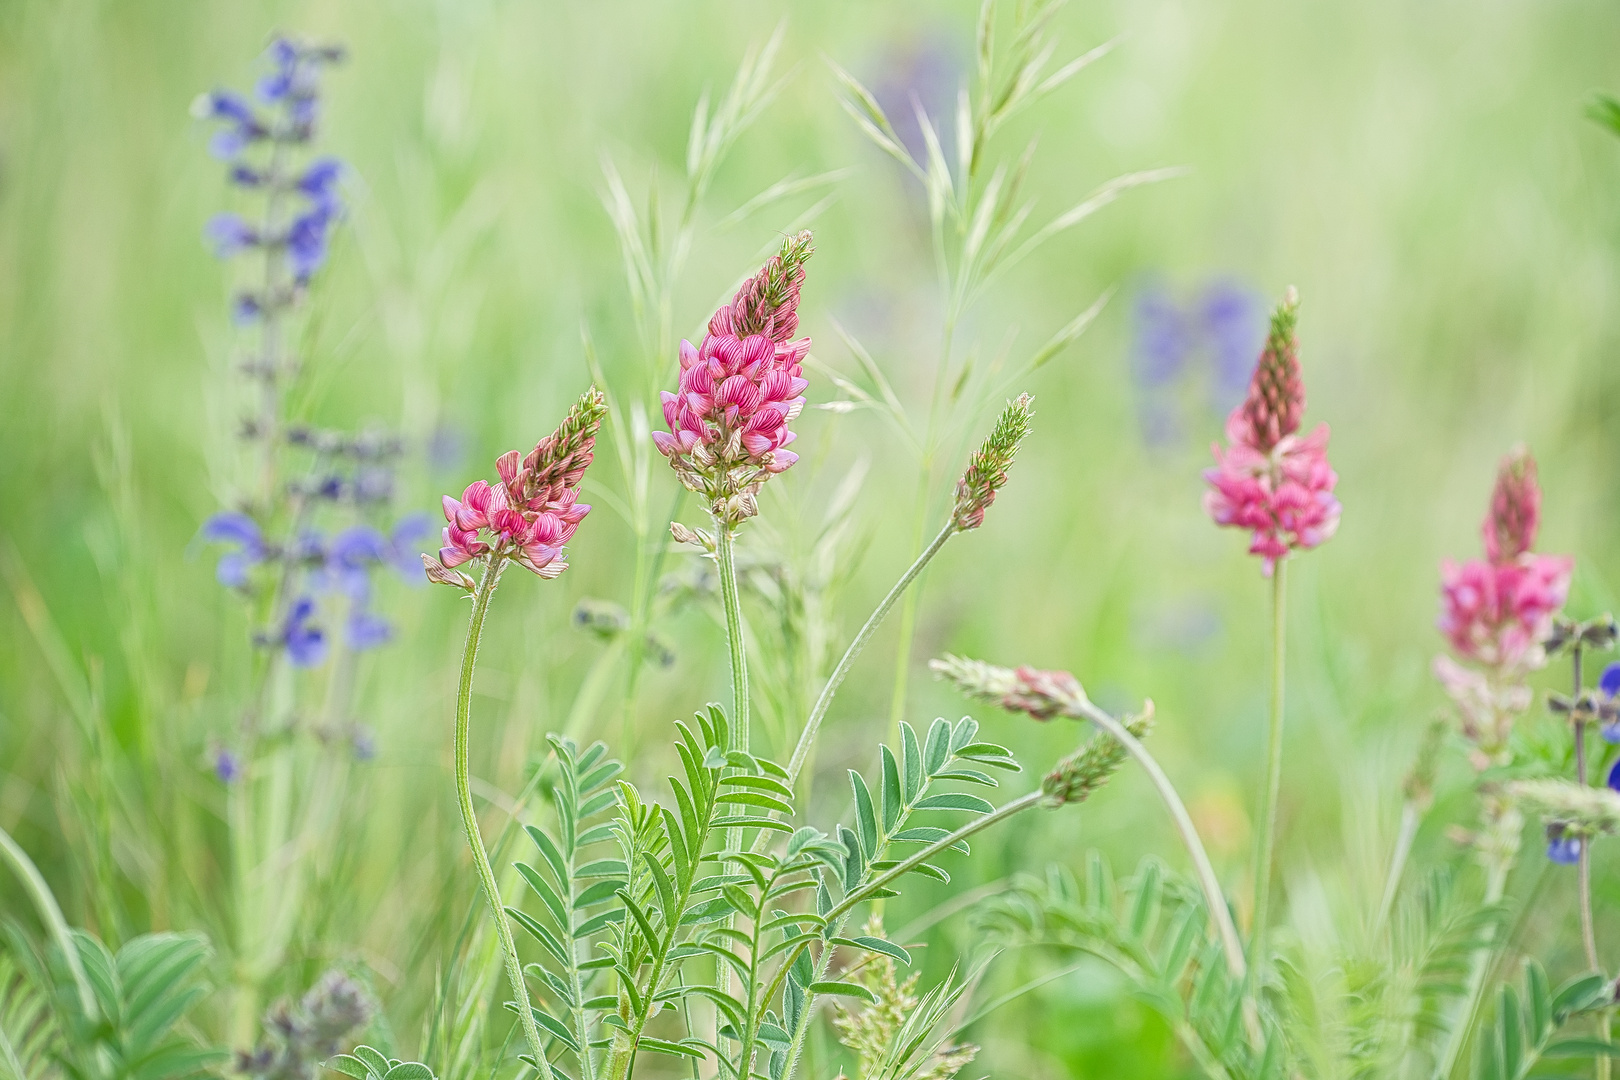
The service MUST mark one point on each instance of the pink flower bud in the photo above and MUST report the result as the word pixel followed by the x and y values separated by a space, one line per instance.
pixel 1515 514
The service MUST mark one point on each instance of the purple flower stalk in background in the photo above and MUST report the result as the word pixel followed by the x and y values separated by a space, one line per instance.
pixel 1192 356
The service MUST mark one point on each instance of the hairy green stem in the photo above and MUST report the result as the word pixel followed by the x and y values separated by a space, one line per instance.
pixel 51 915
pixel 469 819
pixel 1231 944
pixel 1588 930
pixel 1266 842
pixel 725 558
pixel 818 712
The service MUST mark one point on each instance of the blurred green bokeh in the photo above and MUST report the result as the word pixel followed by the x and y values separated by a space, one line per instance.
pixel 1422 172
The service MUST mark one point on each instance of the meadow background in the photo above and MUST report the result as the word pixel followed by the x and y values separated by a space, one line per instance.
pixel 1423 173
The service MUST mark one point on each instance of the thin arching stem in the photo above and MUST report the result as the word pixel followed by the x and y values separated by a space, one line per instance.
pixel 469 819
pixel 812 726
pixel 1231 944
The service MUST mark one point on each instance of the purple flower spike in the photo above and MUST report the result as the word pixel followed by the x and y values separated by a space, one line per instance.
pixel 1562 848
pixel 350 559
pixel 305 644
pixel 1614 777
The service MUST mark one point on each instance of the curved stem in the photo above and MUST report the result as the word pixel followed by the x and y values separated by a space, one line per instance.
pixel 1231 944
pixel 725 557
pixel 818 712
pixel 1411 818
pixel 1267 840
pixel 469 819
pixel 51 915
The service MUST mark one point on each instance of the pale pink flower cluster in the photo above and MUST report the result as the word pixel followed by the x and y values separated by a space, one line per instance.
pixel 1269 480
pixel 728 418
pixel 1496 612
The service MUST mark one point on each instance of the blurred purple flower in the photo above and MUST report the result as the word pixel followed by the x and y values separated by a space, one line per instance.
pixel 229 234
pixel 1562 848
pixel 363 742
pixel 1609 686
pixel 1208 343
pixel 368 630
pixel 234 527
pixel 925 73
pixel 1614 777
pixel 226 766
pixel 305 643
pixel 308 238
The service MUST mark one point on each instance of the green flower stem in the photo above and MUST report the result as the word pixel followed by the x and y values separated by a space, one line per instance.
pixel 812 726
pixel 51 915
pixel 1231 944
pixel 469 819
pixel 726 558
pixel 1267 840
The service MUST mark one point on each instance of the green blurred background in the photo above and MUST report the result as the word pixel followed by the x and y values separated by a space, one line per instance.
pixel 1422 172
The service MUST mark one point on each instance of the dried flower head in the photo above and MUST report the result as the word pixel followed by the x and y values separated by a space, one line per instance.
pixel 297 1038
pixel 891 1035
pixel 1268 479
pixel 1041 694
pixel 532 511
pixel 728 418
pixel 987 468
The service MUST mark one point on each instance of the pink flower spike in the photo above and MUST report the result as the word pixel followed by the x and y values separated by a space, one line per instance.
pixel 739 389
pixel 534 509
pixel 1268 480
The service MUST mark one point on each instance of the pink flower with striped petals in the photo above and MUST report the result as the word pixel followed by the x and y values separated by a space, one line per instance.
pixel 738 392
pixel 531 512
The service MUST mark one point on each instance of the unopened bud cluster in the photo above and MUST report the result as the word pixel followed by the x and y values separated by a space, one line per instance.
pixel 987 468
pixel 728 418
pixel 1077 776
pixel 532 511
pixel 1276 400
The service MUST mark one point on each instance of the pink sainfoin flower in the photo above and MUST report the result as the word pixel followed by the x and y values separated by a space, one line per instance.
pixel 1496 612
pixel 728 419
pixel 1269 480
pixel 534 508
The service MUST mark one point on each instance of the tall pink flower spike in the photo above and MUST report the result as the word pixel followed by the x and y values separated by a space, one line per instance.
pixel 728 418
pixel 1268 479
pixel 1496 612
pixel 532 511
